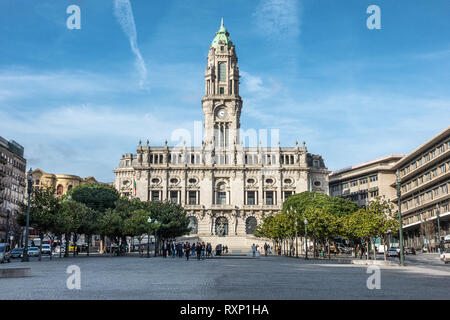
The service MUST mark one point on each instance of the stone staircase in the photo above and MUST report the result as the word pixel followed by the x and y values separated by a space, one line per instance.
pixel 242 244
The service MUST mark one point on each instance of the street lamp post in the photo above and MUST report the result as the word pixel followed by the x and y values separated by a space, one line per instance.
pixel 156 240
pixel 306 239
pixel 296 240
pixel 149 220
pixel 25 257
pixel 439 227
pixel 400 227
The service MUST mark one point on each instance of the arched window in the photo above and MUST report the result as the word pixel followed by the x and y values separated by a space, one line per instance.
pixel 59 190
pixel 69 188
pixel 250 225
pixel 193 224
pixel 221 226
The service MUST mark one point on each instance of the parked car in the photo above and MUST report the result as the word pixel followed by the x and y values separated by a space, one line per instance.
pixel 59 249
pixel 33 252
pixel 445 256
pixel 410 251
pixel 393 252
pixel 46 249
pixel 17 253
pixel 5 252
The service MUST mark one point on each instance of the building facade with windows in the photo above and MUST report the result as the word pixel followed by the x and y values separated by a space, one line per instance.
pixel 225 187
pixel 425 181
pixel 12 187
pixel 62 183
pixel 364 181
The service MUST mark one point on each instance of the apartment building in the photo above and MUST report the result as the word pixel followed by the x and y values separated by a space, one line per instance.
pixel 364 181
pixel 425 180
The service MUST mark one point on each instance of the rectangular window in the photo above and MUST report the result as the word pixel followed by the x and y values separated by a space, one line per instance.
pixel 269 198
pixel 345 186
pixel 374 178
pixel 222 71
pixel 221 197
pixel 192 197
pixel 287 194
pixel 251 198
pixel 155 195
pixel 442 169
pixel 354 183
pixel 363 181
pixel 174 196
pixel 444 189
pixel 441 149
pixel 221 90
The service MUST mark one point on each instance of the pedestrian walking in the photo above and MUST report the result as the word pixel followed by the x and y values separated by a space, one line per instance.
pixel 254 250
pixel 208 250
pixel 203 252
pixel 187 249
pixel 198 249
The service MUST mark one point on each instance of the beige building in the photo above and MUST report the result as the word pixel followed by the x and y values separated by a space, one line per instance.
pixel 12 186
pixel 225 187
pixel 425 181
pixel 364 181
pixel 61 182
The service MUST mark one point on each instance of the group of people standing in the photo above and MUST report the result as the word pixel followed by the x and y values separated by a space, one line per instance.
pixel 180 249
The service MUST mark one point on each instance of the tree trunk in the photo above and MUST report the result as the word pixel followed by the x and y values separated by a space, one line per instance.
pixel 41 235
pixel 374 250
pixel 75 239
pixel 329 257
pixel 51 247
pixel 384 248
pixel 67 238
pixel 88 242
pixel 367 249
pixel 60 245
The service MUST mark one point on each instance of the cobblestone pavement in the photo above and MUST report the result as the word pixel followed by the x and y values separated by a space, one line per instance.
pixel 132 277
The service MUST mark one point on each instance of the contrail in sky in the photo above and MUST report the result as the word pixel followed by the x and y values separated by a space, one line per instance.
pixel 124 15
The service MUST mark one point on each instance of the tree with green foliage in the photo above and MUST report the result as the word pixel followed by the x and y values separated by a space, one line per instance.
pixel 96 196
pixel 44 207
pixel 72 213
pixel 136 225
pixel 112 226
pixel 172 219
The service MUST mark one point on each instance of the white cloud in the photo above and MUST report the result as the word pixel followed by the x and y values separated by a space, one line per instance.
pixel 85 139
pixel 278 18
pixel 124 15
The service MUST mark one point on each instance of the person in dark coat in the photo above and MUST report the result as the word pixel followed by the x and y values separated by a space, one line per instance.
pixel 198 249
pixel 187 249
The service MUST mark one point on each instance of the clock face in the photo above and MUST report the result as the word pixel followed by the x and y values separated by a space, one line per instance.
pixel 222 113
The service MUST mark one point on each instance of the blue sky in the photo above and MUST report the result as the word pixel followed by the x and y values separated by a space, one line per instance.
pixel 79 99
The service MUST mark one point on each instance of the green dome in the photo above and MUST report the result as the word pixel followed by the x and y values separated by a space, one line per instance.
pixel 222 37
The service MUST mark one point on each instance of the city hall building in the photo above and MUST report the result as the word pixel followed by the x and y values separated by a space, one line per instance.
pixel 225 188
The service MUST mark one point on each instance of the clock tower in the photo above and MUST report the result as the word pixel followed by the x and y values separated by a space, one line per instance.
pixel 222 103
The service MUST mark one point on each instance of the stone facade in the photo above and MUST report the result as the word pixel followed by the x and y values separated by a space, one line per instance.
pixel 226 188
pixel 12 186
pixel 364 181
pixel 61 182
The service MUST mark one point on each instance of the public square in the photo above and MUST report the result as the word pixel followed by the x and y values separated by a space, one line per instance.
pixel 267 278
